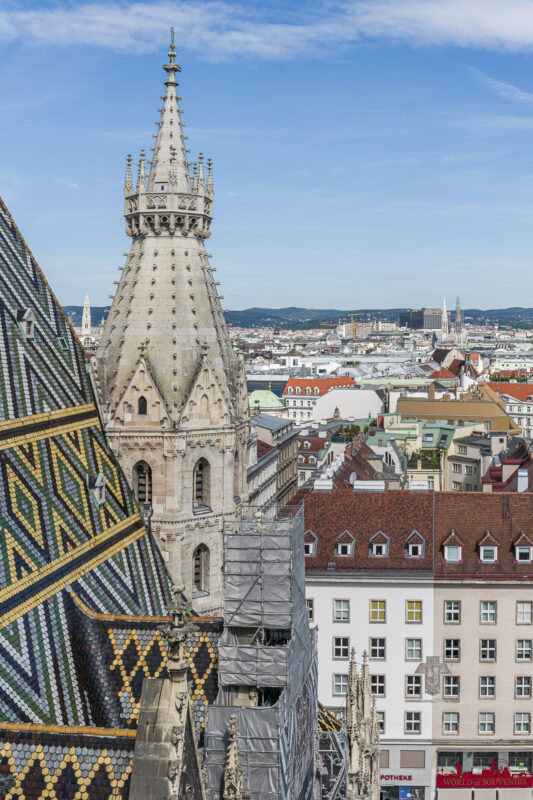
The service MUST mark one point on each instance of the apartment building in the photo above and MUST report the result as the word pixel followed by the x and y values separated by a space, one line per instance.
pixel 518 398
pixel 437 589
pixel 301 394
pixel 370 586
pixel 281 434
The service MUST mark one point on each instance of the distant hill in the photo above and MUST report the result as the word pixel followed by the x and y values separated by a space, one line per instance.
pixel 302 318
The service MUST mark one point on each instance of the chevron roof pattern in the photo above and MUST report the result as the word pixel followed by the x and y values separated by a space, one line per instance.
pixel 58 537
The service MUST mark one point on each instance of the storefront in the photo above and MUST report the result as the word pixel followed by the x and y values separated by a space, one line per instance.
pixel 405 774
pixel 485 775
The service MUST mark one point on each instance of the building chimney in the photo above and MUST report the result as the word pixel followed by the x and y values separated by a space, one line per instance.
pixel 523 480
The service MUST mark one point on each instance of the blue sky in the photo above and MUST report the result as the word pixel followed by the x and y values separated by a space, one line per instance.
pixel 367 153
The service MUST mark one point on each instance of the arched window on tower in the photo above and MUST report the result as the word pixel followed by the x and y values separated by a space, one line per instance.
pixel 142 483
pixel 201 485
pixel 200 569
pixel 236 474
pixel 142 405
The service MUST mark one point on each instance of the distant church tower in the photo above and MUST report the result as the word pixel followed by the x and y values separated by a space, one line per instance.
pixel 458 324
pixel 444 327
pixel 173 390
pixel 86 317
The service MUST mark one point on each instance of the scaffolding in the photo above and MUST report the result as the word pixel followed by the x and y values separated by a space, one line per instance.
pixel 267 660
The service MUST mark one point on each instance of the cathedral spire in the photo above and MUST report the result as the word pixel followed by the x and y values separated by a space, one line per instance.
pixel 170 153
pixel 141 175
pixel 86 317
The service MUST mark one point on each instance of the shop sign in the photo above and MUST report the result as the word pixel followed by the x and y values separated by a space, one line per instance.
pixel 493 778
pixel 401 778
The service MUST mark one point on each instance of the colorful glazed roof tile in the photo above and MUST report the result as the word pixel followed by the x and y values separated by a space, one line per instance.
pixel 69 523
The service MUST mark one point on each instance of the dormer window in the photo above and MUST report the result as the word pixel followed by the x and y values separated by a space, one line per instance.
pixel 316 390
pixel 297 390
pixel 290 390
pixel 310 543
pixel 26 320
pixel 345 544
pixel 453 553
pixel 488 554
pixel 307 445
pixel 415 546
pixel 97 487
pixel 308 390
pixel 379 545
pixel 524 555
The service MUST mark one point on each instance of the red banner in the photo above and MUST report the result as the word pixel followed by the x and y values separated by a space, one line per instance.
pixel 488 779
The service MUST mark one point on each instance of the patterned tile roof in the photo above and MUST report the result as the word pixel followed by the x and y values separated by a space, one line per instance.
pixel 58 535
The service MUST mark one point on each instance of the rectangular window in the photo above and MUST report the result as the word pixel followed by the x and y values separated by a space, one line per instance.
pixel 456 486
pixel 487 686
pixel 310 603
pixel 488 611
pixel 468 469
pixel 451 686
pixel 452 649
pixel 341 647
pixel 523 649
pixel 412 721
pixel 456 468
pixel 378 611
pixel 523 686
pixel 523 612
pixel 340 684
pixel 452 611
pixel 377 648
pixel 381 721
pixel 488 555
pixel 413 649
pixel 522 722
pixel 343 549
pixel 452 553
pixel 377 683
pixel 523 554
pixel 341 610
pixel 486 722
pixel 413 611
pixel 414 550
pixel 450 722
pixel 413 686
pixel 487 649
pixel 463 449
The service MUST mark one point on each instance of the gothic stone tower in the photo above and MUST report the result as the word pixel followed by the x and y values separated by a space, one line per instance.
pixel 173 391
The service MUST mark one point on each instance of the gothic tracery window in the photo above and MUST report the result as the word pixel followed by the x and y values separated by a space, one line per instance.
pixel 201 569
pixel 142 482
pixel 142 405
pixel 201 487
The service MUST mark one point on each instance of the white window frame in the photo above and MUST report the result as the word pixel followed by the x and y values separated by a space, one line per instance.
pixel 340 684
pixel 524 690
pixel 523 550
pixel 414 648
pixel 486 723
pixel 486 683
pixel 521 606
pixel 450 722
pixel 344 609
pixel 456 607
pixel 522 722
pixel 488 554
pixel 447 553
pixel 488 612
pixel 523 650
pixel 451 687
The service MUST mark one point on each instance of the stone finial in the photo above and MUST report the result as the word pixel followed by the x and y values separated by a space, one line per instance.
pixel 176 633
pixel 209 185
pixel 141 175
pixel 201 180
pixel 128 182
pixel 233 781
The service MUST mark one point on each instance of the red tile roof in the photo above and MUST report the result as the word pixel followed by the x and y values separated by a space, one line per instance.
pixel 314 444
pixel 455 366
pixel 520 391
pixel 323 384
pixel 263 449
pixel 464 518
pixel 443 372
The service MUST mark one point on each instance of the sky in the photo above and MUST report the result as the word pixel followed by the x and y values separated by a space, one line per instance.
pixel 367 153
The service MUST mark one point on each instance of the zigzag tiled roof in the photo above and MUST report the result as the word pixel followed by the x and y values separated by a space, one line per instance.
pixel 56 537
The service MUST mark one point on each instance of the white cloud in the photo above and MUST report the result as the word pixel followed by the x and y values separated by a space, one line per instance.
pixel 220 29
pixel 505 90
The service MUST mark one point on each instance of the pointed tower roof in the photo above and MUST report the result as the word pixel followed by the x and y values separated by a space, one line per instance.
pixel 169 162
pixel 167 308
pixel 86 317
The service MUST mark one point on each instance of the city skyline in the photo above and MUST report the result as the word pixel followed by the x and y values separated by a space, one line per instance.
pixel 341 149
